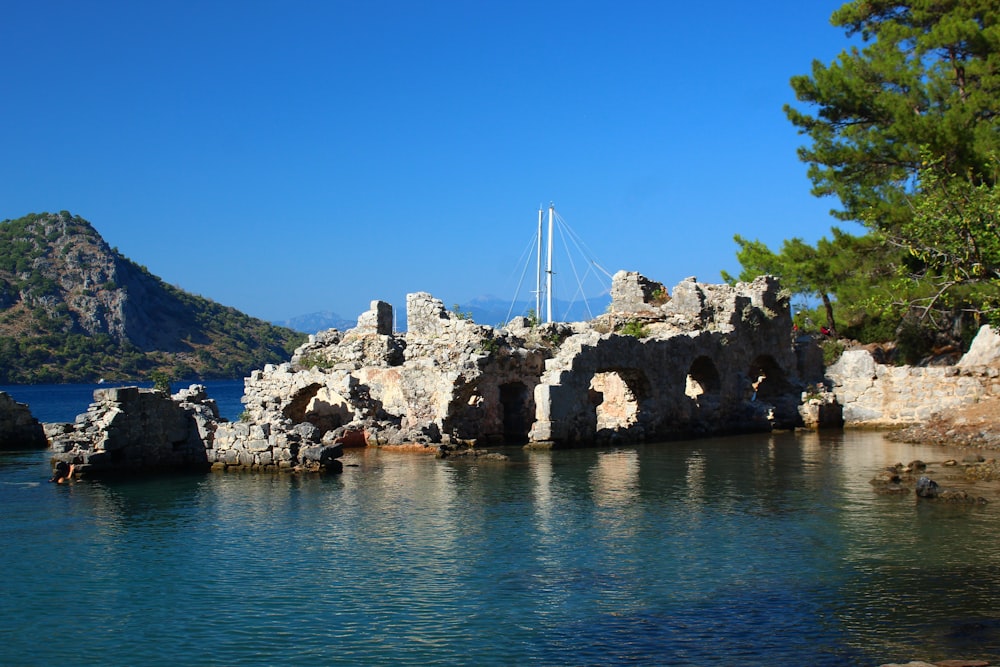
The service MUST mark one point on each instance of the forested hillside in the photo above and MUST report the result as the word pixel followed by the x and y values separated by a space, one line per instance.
pixel 72 309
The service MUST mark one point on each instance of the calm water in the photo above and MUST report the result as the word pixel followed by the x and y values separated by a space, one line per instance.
pixel 756 550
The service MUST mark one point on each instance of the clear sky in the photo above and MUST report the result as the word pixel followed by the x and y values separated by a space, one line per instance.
pixel 298 156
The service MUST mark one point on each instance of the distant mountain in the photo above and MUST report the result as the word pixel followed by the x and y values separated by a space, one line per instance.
pixel 321 321
pixel 73 309
pixel 493 310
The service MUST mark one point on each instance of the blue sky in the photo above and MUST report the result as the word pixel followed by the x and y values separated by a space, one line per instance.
pixel 291 157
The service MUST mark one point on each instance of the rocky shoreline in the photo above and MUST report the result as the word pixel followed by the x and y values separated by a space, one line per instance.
pixel 972 426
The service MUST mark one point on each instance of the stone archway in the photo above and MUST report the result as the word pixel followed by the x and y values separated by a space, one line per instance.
pixel 517 406
pixel 320 406
pixel 768 381
pixel 615 395
pixel 703 384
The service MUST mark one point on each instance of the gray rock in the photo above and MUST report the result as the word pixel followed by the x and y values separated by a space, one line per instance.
pixel 18 428
pixel 984 351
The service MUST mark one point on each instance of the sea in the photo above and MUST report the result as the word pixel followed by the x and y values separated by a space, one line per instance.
pixel 768 549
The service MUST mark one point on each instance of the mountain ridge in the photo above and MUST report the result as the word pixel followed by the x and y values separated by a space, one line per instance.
pixel 73 309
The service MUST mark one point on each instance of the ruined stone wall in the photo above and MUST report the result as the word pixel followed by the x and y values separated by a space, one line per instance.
pixel 133 430
pixel 128 429
pixel 692 373
pixel 446 379
pixel 690 368
pixel 877 395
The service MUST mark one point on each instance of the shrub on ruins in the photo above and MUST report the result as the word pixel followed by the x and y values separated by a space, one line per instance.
pixel 633 328
pixel 904 131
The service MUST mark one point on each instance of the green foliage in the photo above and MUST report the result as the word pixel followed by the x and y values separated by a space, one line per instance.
pixel 832 349
pixel 457 312
pixel 633 328
pixel 315 360
pixel 43 337
pixel 914 341
pixel 841 269
pixel 161 381
pixel 533 319
pixel 954 236
pixel 904 130
pixel 925 76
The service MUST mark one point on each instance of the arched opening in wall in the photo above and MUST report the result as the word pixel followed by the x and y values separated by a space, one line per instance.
pixel 767 379
pixel 702 384
pixel 615 395
pixel 516 402
pixel 323 408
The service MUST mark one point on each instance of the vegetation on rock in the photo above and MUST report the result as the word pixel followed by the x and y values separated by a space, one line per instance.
pixel 72 309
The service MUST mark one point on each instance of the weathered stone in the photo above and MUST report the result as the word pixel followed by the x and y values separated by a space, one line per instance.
pixel 984 351
pixel 874 394
pixel 632 293
pixel 927 488
pixel 132 430
pixel 18 428
pixel 377 320
pixel 459 382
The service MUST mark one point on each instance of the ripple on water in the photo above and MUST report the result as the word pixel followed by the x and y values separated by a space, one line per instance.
pixel 730 551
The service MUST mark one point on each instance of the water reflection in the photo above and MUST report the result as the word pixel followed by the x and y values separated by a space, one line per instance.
pixel 695 477
pixel 743 550
pixel 614 479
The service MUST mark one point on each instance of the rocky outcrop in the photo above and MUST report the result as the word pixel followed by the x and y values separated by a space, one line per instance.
pixel 706 359
pixel 128 430
pixel 18 428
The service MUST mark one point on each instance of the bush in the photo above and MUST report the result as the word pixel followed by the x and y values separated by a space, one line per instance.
pixel 633 328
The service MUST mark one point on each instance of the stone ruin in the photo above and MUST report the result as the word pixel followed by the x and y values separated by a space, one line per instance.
pixel 18 428
pixel 128 430
pixel 706 359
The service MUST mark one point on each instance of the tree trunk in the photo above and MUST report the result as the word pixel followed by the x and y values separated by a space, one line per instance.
pixel 828 305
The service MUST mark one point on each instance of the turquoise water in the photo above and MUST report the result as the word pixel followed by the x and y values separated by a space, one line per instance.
pixel 746 550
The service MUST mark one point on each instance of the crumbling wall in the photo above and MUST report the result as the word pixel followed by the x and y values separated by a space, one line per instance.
pixel 129 430
pixel 440 381
pixel 448 379
pixel 694 372
pixel 132 430
pixel 878 395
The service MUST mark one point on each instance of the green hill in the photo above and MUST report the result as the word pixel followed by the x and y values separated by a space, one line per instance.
pixel 72 309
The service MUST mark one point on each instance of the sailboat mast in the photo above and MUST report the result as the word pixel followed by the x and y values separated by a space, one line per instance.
pixel 538 276
pixel 548 268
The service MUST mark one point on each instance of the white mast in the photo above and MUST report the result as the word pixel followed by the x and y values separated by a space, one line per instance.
pixel 548 267
pixel 538 277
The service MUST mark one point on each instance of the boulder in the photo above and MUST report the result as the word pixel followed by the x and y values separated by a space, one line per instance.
pixel 984 351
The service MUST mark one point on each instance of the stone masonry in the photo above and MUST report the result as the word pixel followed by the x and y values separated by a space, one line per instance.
pixel 706 359
pixel 878 395
pixel 129 430
pixel 688 367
